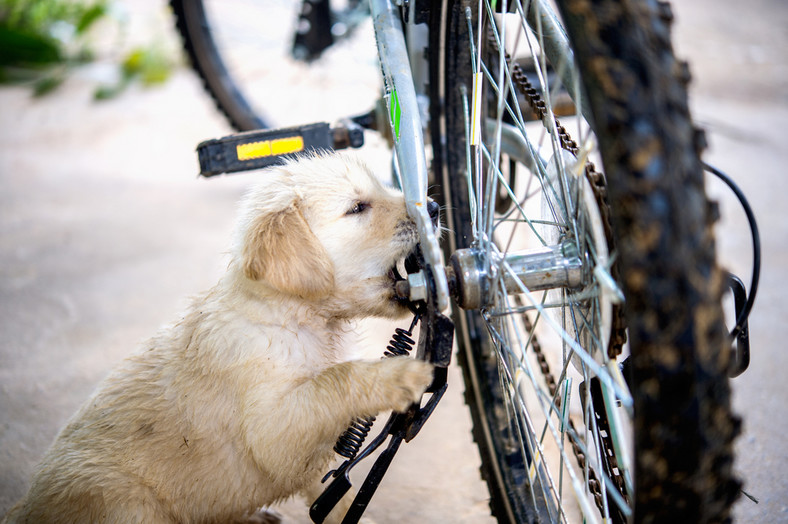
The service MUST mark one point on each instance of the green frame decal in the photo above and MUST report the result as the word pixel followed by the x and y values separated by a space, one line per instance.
pixel 395 112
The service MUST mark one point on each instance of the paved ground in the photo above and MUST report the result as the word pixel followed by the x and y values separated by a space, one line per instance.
pixel 105 229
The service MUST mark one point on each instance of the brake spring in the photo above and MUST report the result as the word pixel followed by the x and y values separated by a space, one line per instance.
pixel 401 344
pixel 349 443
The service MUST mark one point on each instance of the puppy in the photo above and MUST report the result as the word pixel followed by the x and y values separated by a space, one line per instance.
pixel 238 404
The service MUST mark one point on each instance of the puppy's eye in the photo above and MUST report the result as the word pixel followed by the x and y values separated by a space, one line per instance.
pixel 358 207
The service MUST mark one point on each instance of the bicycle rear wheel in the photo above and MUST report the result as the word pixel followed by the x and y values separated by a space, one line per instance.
pixel 572 423
pixel 242 51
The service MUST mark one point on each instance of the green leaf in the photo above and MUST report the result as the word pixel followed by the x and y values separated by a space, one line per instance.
pixel 150 64
pixel 47 84
pixel 20 47
pixel 108 92
pixel 90 16
pixel 132 64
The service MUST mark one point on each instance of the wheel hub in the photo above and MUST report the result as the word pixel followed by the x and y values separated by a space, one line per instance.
pixel 472 281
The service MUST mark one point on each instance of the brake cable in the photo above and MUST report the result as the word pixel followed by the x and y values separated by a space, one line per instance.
pixel 744 314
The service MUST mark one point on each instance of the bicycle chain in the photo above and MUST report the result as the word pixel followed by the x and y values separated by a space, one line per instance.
pixel 598 183
pixel 618 335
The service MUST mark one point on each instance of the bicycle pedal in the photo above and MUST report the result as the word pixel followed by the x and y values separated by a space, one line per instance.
pixel 259 149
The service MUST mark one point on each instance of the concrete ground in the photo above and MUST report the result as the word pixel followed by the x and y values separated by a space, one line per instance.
pixel 105 230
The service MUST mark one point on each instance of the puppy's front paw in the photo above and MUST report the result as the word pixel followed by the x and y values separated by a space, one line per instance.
pixel 403 380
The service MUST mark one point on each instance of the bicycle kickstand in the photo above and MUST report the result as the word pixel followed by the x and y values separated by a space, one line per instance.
pixel 435 346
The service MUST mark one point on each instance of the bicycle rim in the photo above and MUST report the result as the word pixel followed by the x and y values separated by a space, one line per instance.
pixel 552 390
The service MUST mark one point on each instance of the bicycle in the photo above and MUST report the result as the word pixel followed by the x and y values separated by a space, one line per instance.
pixel 586 305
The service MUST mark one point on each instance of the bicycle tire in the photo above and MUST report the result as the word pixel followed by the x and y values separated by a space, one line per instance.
pixel 661 232
pixel 242 51
pixel 206 60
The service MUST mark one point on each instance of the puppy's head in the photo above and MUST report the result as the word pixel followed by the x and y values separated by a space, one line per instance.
pixel 323 229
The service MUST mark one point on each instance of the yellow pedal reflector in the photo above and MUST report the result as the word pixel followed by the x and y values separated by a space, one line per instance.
pixel 280 146
pixel 283 146
pixel 253 150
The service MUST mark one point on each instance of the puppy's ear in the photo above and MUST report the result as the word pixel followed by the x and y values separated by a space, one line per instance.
pixel 281 250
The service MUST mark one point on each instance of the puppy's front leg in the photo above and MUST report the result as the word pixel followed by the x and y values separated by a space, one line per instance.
pixel 369 387
pixel 293 441
pixel 356 389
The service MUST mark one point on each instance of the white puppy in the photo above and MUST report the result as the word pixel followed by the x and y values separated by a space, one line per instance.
pixel 239 403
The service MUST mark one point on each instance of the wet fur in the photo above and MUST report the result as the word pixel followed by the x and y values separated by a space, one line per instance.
pixel 238 404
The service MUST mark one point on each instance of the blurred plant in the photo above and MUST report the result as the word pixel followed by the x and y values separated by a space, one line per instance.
pixel 150 65
pixel 42 41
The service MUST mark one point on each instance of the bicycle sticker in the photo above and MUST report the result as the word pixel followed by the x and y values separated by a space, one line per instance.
pixel 476 131
pixel 280 146
pixel 394 113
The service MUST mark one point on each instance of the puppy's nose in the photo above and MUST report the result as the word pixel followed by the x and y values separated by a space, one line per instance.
pixel 433 208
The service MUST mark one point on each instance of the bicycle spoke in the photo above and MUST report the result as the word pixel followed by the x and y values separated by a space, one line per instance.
pixel 576 485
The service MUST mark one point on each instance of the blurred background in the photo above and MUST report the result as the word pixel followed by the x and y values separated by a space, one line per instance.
pixel 106 229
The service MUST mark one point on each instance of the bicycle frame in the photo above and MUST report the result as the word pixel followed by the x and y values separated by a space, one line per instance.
pixel 407 131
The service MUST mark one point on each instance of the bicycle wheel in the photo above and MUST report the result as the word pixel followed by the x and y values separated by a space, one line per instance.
pixel 557 264
pixel 243 51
